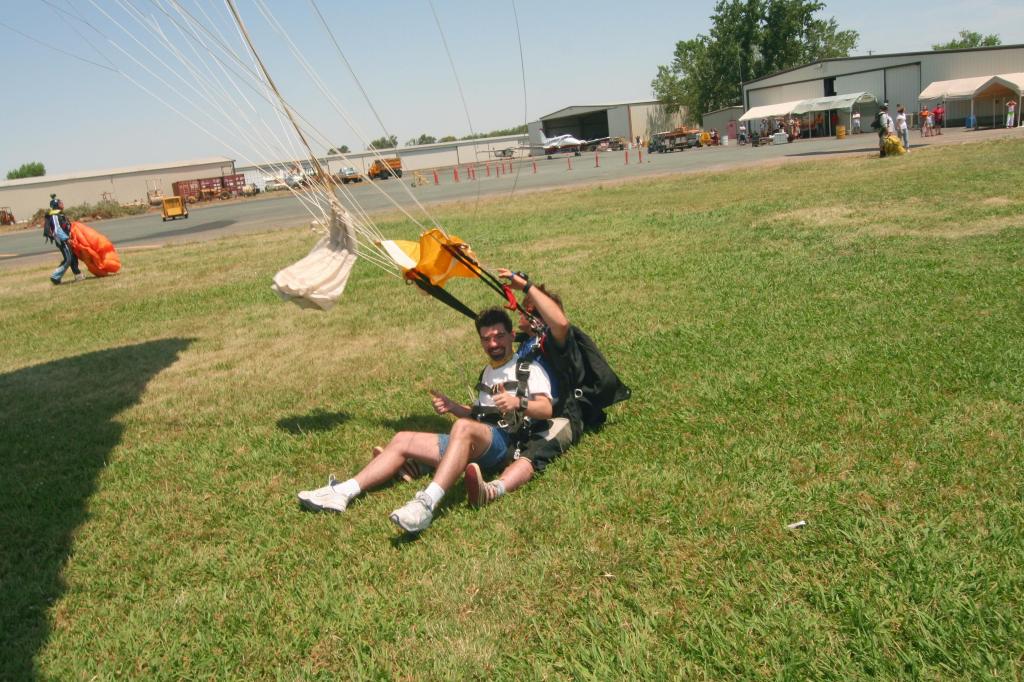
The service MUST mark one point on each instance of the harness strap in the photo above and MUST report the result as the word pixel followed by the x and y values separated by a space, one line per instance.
pixel 424 283
pixel 493 390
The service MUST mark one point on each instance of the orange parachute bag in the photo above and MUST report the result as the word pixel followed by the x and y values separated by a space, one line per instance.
pixel 95 250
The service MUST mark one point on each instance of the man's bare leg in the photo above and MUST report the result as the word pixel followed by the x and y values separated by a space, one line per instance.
pixel 421 447
pixel 468 440
pixel 336 495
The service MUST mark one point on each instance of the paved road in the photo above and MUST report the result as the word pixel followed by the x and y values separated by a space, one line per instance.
pixel 269 212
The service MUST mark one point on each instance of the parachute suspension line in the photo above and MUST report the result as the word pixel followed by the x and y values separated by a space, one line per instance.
pixel 55 49
pixel 341 232
pixel 526 120
pixel 348 65
pixel 78 17
pixel 487 277
pixel 275 142
pixel 163 80
pixel 273 86
pixel 145 24
pixel 366 97
pixel 320 278
pixel 344 114
pixel 462 96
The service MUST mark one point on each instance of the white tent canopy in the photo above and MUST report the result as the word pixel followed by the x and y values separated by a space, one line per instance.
pixel 835 102
pixel 803 106
pixel 968 88
pixel 770 110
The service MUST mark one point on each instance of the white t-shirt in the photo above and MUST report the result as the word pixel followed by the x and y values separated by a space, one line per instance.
pixel 901 122
pixel 538 383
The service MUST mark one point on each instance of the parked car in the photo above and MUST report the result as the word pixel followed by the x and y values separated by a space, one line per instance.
pixel 274 184
pixel 349 174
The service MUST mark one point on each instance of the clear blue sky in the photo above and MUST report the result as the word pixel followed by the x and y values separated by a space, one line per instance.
pixel 73 116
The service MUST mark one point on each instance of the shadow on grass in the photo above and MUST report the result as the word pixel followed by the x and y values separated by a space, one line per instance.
pixel 317 420
pixel 840 152
pixel 59 426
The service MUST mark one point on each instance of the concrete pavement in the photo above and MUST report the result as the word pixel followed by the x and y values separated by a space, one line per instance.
pixel 268 212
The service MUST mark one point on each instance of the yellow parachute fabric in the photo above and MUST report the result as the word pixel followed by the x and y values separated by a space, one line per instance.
pixel 893 146
pixel 431 256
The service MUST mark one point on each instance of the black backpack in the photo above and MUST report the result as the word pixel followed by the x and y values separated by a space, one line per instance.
pixel 594 384
pixel 876 124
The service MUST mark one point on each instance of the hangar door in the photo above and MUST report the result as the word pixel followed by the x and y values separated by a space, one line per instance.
pixel 870 81
pixel 903 85
pixel 585 126
pixel 786 93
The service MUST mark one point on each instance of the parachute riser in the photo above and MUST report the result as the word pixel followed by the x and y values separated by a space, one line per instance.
pixel 490 280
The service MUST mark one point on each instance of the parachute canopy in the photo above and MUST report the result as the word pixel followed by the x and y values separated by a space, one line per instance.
pixel 94 249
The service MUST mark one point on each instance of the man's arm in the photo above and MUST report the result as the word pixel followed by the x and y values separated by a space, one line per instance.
pixel 445 405
pixel 537 407
pixel 554 317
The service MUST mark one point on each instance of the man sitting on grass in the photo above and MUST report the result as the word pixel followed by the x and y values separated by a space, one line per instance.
pixel 511 398
pixel 546 343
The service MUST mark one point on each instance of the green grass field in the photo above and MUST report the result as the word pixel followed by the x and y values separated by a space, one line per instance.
pixel 837 341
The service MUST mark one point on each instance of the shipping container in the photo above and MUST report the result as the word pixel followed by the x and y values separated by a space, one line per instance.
pixel 211 184
pixel 186 189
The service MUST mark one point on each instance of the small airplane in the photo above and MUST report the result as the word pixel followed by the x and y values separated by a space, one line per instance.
pixel 558 143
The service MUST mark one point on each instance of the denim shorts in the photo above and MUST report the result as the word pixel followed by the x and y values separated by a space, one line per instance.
pixel 495 455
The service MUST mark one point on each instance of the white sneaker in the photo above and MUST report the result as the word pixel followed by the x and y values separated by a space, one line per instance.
pixel 328 498
pixel 79 277
pixel 415 515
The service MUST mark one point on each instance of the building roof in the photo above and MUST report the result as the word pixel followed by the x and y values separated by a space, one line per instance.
pixel 84 175
pixel 881 56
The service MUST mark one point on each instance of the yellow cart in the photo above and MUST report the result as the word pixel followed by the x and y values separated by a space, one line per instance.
pixel 174 208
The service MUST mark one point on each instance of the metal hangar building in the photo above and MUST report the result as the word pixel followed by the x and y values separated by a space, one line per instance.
pixel 894 78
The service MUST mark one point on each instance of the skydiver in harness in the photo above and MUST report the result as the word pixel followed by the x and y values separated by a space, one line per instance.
pixel 511 397
pixel 57 229
pixel 583 384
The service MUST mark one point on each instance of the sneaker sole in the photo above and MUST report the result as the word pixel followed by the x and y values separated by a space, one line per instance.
pixel 309 504
pixel 395 520
pixel 474 485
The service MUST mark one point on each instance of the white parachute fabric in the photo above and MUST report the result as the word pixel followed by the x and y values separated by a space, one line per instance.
pixel 318 280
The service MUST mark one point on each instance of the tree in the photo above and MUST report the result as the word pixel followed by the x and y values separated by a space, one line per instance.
pixel 384 142
pixel 447 138
pixel 32 169
pixel 969 39
pixel 748 39
pixel 343 149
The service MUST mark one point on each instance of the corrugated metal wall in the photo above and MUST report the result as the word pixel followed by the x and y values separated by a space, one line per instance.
pixel 872 81
pixel 905 74
pixel 124 188
pixel 786 93
pixel 902 86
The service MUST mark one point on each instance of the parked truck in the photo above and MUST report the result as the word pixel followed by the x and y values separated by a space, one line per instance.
pixel 382 169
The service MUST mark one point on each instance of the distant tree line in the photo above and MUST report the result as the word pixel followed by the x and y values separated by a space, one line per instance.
pixel 391 141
